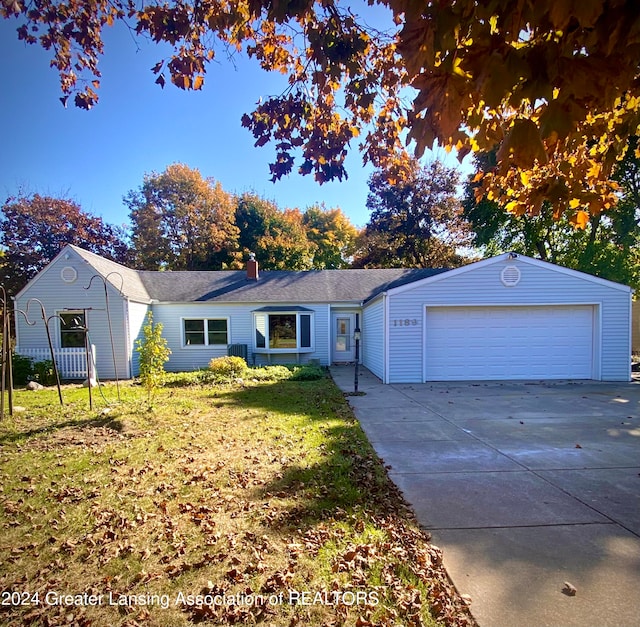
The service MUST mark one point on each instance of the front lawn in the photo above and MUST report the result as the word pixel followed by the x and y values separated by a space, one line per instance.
pixel 247 503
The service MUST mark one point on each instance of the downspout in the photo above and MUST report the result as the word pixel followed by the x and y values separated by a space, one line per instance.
pixel 630 374
pixel 385 333
pixel 360 324
pixel 329 336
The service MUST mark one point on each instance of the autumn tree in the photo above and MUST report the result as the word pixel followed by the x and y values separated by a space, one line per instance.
pixel 181 221
pixel 331 235
pixel 35 228
pixel 552 85
pixel 415 219
pixel 608 246
pixel 276 237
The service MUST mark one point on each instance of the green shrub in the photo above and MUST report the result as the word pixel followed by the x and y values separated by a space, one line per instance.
pixel 185 379
pixel 22 369
pixel 227 368
pixel 270 373
pixel 154 353
pixel 307 373
pixel 43 372
pixel 283 373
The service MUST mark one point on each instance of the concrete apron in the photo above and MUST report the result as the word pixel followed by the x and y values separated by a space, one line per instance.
pixel 525 486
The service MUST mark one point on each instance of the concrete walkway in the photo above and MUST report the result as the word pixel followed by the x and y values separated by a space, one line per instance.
pixel 525 486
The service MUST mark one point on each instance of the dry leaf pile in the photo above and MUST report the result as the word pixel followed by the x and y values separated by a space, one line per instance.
pixel 253 505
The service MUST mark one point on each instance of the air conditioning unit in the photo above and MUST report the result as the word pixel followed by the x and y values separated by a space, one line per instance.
pixel 238 350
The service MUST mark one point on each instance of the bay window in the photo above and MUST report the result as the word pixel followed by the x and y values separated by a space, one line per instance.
pixel 283 330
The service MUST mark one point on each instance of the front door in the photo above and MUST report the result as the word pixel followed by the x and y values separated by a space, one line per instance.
pixel 343 344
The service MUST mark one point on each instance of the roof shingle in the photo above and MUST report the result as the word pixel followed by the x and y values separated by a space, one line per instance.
pixel 272 286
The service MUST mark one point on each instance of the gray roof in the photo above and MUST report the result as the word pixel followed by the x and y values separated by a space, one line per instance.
pixel 272 286
pixel 131 284
pixel 277 286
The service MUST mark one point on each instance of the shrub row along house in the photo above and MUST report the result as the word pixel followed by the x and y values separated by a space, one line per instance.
pixel 508 317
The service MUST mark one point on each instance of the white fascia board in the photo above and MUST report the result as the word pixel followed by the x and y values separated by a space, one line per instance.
pixel 375 299
pixel 350 304
pixel 493 303
pixel 575 273
pixel 68 248
pixel 443 275
pixel 355 304
pixel 505 257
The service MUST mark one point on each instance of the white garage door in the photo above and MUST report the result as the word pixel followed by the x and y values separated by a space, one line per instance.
pixel 502 343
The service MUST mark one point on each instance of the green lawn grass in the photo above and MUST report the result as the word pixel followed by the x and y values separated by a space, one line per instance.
pixel 249 503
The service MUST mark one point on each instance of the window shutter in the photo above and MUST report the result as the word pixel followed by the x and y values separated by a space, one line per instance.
pixel 305 331
pixel 261 330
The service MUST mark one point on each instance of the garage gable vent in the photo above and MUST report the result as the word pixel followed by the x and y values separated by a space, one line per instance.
pixel 69 274
pixel 510 276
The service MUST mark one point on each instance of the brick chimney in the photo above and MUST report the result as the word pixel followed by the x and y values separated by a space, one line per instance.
pixel 252 268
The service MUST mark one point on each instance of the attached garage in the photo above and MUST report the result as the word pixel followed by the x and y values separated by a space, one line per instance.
pixel 498 343
pixel 510 317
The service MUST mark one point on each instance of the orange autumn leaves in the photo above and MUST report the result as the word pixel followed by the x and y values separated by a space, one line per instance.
pixel 552 85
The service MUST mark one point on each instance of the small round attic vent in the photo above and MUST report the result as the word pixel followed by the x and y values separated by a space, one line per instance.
pixel 68 274
pixel 510 276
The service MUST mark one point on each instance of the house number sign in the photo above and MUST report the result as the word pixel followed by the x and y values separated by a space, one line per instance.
pixel 404 322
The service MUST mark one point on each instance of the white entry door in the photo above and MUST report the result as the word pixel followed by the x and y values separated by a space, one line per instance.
pixel 343 345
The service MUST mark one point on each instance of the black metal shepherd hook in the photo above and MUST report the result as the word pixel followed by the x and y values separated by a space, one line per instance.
pixel 46 321
pixel 7 362
pixel 6 355
pixel 106 299
pixel 82 327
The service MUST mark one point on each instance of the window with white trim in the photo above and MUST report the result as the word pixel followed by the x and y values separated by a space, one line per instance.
pixel 284 331
pixel 72 329
pixel 205 331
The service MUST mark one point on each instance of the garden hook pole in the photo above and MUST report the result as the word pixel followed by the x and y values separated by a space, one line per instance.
pixel 4 348
pixel 46 326
pixel 7 366
pixel 7 361
pixel 7 326
pixel 106 299
pixel 87 350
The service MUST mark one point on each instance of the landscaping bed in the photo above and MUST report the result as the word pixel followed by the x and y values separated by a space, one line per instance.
pixel 252 502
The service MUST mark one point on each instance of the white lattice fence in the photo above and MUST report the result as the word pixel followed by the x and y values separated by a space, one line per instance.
pixel 71 362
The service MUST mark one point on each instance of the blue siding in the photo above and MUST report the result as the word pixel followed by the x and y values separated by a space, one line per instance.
pixel 137 314
pixel 480 284
pixel 373 337
pixel 240 331
pixel 57 295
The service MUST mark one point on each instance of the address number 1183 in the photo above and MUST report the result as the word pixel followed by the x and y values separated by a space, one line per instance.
pixel 404 322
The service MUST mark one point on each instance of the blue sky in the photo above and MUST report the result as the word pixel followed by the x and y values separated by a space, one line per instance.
pixel 95 157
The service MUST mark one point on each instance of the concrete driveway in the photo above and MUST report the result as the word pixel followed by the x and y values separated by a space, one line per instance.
pixel 525 486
